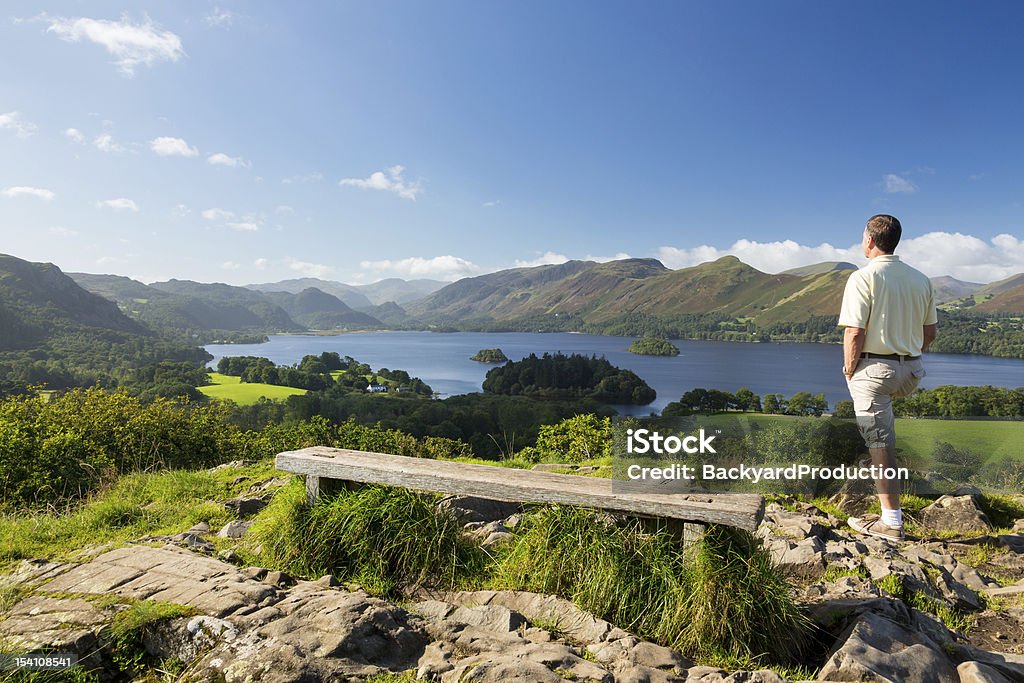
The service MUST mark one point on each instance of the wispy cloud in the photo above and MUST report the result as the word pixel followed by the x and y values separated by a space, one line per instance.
pixel 309 269
pixel 604 259
pixel 261 263
pixel 221 159
pixel 548 258
pixel 439 267
pixel 219 18
pixel 74 135
pixel 26 191
pixel 216 214
pixel 172 147
pixel 496 202
pixel 390 180
pixel 61 231
pixel 104 142
pixel 243 226
pixel 131 44
pixel 12 121
pixel 119 204
pixel 314 177
pixel 898 184
pixel 231 265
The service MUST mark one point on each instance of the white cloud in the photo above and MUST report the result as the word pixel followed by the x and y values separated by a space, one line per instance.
pixel 130 44
pixel 770 257
pixel 548 258
pixel 898 184
pixel 62 232
pixel 244 226
pixel 230 265
pixel 181 210
pixel 605 259
pixel 439 267
pixel 284 208
pixel 119 204
pixel 74 135
pixel 12 121
pixel 309 269
pixel 22 190
pixel 221 159
pixel 172 147
pixel 105 143
pixel 390 180
pixel 496 202
pixel 216 214
pixel 314 177
pixel 965 257
pixel 219 18
pixel 261 263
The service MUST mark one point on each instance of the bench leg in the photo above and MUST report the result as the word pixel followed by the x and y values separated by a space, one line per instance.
pixel 312 488
pixel 317 485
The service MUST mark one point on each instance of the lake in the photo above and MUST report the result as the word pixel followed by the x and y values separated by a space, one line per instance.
pixel 442 361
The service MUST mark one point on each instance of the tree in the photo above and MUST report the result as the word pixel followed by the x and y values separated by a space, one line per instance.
pixel 578 438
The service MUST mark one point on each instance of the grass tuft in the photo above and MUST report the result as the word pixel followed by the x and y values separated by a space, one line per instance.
pixel 377 536
pixel 723 599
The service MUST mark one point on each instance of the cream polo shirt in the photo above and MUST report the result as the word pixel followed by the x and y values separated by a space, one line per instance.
pixel 892 302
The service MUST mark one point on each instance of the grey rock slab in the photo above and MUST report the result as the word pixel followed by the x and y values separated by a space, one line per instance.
pixel 492 617
pixel 471 509
pixel 247 506
pixel 957 594
pixel 236 528
pixel 41 621
pixel 955 513
pixel 167 574
pixel 575 623
pixel 878 649
pixel 976 672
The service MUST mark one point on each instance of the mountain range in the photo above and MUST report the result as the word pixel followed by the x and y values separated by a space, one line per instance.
pixel 595 295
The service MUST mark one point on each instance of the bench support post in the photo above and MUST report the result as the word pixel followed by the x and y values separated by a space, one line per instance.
pixel 317 486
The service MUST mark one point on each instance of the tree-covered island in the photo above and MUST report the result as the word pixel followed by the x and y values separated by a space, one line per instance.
pixel 653 346
pixel 489 356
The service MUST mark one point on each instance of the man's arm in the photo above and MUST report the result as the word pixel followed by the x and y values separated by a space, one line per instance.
pixel 853 344
pixel 929 335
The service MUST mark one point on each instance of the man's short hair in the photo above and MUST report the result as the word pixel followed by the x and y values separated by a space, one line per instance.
pixel 886 231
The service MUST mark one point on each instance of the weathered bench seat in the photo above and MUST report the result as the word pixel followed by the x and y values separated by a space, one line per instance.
pixel 322 465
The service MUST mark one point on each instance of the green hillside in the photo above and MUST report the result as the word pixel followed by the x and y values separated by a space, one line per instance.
pixel 55 332
pixel 318 310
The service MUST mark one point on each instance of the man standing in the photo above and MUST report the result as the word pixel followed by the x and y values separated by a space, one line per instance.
pixel 889 314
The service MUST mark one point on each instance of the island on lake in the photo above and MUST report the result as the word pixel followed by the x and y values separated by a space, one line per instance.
pixel 652 346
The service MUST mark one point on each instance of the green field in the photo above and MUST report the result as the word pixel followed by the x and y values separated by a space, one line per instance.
pixel 226 386
pixel 993 440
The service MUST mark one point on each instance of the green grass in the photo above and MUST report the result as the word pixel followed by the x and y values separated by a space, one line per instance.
pixel 378 537
pixel 233 389
pixel 138 504
pixel 723 600
pixel 994 440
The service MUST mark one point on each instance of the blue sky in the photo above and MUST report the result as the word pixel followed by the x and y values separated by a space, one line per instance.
pixel 252 142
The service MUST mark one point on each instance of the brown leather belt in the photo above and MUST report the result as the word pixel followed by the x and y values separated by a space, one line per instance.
pixel 888 356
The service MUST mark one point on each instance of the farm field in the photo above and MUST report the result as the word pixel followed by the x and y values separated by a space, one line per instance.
pixel 232 388
pixel 993 440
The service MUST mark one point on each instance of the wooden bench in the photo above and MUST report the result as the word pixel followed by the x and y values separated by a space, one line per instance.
pixel 685 513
